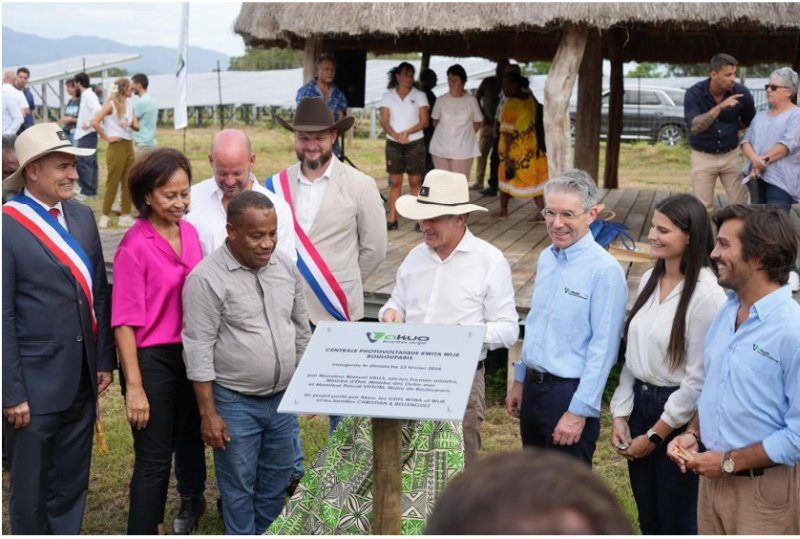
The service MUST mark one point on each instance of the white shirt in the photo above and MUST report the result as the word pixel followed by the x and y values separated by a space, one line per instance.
pixel 472 286
pixel 112 123
pixel 404 113
pixel 454 137
pixel 61 220
pixel 12 92
pixel 208 217
pixel 12 113
pixel 89 108
pixel 309 197
pixel 646 353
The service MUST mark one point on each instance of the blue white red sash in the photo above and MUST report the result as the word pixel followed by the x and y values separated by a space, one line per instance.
pixel 55 238
pixel 310 263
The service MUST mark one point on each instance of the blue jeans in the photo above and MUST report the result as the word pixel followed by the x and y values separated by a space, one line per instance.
pixel 666 498
pixel 87 165
pixel 256 464
pixel 762 192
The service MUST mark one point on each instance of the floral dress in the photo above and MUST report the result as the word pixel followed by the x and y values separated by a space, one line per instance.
pixel 525 178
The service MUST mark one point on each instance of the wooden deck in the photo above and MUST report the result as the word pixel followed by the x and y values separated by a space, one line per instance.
pixel 520 240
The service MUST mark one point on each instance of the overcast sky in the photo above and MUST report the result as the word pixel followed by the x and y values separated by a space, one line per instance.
pixel 132 23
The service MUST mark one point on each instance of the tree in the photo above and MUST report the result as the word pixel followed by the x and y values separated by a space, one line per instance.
pixel 540 67
pixel 647 70
pixel 255 59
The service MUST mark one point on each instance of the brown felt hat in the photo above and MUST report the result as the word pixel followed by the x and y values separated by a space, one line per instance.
pixel 313 114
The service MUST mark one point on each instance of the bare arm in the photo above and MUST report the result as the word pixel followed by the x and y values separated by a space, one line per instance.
pixel 702 122
pixel 212 427
pixel 98 119
pixel 137 407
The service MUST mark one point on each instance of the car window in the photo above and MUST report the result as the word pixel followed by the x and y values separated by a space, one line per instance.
pixel 676 96
pixel 631 97
pixel 649 98
pixel 605 99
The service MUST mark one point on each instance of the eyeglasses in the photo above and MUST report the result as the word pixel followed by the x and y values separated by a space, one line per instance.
pixel 774 87
pixel 551 214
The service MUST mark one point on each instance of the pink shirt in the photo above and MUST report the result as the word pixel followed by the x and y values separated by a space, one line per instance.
pixel 148 281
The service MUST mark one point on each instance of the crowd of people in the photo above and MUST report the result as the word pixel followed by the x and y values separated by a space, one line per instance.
pixel 219 285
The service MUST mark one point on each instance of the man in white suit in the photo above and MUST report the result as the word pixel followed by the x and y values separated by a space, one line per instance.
pixel 339 220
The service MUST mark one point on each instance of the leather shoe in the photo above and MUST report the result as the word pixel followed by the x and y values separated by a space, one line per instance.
pixel 391 225
pixel 188 516
pixel 489 192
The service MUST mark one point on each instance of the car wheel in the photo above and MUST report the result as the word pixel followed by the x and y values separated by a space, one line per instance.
pixel 671 135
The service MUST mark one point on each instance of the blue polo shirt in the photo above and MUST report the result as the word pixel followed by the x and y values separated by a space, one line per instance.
pixel 575 321
pixel 147 113
pixel 752 388
pixel 723 135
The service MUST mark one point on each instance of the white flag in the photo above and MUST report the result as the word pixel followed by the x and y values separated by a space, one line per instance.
pixel 181 75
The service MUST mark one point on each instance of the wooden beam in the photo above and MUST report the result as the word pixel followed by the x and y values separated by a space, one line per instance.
pixel 557 91
pixel 587 120
pixel 311 52
pixel 614 40
pixel 425 63
pixel 386 476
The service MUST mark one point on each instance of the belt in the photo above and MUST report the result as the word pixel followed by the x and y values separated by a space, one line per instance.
pixel 543 377
pixel 720 151
pixel 658 390
pixel 480 365
pixel 755 472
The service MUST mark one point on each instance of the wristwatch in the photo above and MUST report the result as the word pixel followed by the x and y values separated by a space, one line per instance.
pixel 728 466
pixel 654 437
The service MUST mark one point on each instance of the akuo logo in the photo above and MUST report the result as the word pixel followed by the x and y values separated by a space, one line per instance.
pixel 760 351
pixel 574 293
pixel 378 336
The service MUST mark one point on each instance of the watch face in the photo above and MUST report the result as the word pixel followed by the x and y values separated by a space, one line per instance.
pixel 727 466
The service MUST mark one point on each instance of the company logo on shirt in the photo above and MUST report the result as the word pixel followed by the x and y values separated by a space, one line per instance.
pixel 760 351
pixel 575 293
pixel 379 336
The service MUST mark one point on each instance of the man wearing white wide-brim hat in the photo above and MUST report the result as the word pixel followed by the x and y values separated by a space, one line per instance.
pixel 57 347
pixel 454 278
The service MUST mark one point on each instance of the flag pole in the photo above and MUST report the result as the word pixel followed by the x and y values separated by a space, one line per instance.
pixel 180 114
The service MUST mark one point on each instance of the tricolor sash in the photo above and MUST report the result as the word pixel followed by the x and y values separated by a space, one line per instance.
pixel 56 239
pixel 310 263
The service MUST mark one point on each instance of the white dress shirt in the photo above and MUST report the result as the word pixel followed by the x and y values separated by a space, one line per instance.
pixel 61 220
pixel 208 217
pixel 472 286
pixel 646 353
pixel 88 109
pixel 12 112
pixel 309 197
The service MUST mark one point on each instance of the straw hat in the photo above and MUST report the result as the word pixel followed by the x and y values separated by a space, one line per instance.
pixel 36 142
pixel 442 193
pixel 638 253
pixel 313 114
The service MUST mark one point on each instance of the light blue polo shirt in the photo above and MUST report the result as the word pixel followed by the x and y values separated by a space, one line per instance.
pixel 147 113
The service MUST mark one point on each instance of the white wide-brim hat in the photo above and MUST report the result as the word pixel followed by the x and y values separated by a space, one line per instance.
pixel 442 193
pixel 36 142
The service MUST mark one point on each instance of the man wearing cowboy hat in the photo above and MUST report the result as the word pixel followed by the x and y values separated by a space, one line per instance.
pixel 57 346
pixel 341 235
pixel 454 278
pixel 573 328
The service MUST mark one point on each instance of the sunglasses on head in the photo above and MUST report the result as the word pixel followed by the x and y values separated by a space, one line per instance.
pixel 773 87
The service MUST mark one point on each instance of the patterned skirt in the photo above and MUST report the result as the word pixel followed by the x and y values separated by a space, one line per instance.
pixel 335 495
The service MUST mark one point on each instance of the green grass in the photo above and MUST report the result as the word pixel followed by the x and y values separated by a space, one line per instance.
pixel 642 166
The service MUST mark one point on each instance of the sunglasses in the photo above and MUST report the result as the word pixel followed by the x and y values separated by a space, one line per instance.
pixel 773 87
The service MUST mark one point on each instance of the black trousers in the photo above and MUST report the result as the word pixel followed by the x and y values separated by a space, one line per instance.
pixel 173 417
pixel 49 463
pixel 542 406
pixel 494 165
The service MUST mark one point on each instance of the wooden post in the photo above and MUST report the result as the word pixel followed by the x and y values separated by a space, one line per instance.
pixel 557 91
pixel 425 63
pixel 587 119
pixel 386 484
pixel 311 52
pixel 611 176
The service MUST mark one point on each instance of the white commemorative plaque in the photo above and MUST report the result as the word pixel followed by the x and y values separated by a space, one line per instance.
pixel 393 371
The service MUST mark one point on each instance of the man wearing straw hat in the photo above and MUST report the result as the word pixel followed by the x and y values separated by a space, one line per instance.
pixel 454 278
pixel 573 329
pixel 339 222
pixel 57 346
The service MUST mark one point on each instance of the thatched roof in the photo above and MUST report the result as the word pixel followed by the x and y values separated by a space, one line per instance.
pixel 663 32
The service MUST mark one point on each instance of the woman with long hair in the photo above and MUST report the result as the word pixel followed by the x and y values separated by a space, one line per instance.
pixel 457 117
pixel 113 124
pixel 150 266
pixel 523 159
pixel 404 115
pixel 663 373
